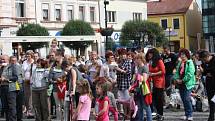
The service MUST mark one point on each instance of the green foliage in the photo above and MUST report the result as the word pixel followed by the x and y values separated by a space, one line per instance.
pixel 32 30
pixel 133 30
pixel 77 27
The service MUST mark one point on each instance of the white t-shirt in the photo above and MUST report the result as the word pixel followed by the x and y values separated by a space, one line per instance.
pixel 27 70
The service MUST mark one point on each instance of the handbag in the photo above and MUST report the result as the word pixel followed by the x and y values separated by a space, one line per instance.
pixel 145 88
pixel 146 92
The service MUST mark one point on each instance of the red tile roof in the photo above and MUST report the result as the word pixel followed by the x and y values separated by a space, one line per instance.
pixel 168 7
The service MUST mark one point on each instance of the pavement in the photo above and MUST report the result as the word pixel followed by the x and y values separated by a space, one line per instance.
pixel 169 115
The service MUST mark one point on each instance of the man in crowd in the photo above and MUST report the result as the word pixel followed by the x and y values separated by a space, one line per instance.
pixel 209 71
pixel 93 55
pixel 169 60
pixel 36 56
pixel 11 76
pixel 4 86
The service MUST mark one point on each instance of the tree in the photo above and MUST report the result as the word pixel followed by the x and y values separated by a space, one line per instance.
pixel 75 28
pixel 32 30
pixel 138 30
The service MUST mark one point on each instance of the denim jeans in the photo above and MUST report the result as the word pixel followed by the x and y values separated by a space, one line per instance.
pixel 186 99
pixel 168 82
pixel 139 100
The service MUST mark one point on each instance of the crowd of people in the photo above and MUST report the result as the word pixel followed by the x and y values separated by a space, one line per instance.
pixel 130 83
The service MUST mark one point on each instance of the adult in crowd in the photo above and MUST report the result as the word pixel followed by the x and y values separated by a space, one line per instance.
pixel 93 56
pixel 22 58
pixel 39 85
pixel 36 56
pixel 56 77
pixel 209 71
pixel 27 67
pixel 185 80
pixel 143 70
pixel 124 78
pixel 170 62
pixel 157 75
pixel 79 61
pixel 54 45
pixel 4 85
pixel 11 76
pixel 51 58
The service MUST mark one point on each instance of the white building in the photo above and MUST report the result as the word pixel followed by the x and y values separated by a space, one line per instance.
pixel 54 14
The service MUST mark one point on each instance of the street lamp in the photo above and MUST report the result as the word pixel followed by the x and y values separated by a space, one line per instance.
pixel 105 7
pixel 0 32
pixel 169 29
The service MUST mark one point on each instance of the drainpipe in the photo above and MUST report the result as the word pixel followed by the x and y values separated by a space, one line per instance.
pixel 184 31
pixel 99 14
pixel 35 2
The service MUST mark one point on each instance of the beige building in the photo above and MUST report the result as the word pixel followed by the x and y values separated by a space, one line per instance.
pixel 54 14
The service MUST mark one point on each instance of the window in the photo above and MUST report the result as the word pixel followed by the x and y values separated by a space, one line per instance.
pixel 19 4
pixel 81 13
pixel 164 24
pixel 70 13
pixel 111 16
pixel 207 4
pixel 137 16
pixel 208 23
pixel 92 14
pixel 57 12
pixel 45 9
pixel 176 23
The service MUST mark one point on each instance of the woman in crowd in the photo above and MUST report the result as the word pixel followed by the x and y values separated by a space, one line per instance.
pixel 185 80
pixel 157 75
pixel 27 67
pixel 142 69
pixel 124 78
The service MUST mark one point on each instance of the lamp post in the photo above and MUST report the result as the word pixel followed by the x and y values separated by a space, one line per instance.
pixel 0 32
pixel 105 7
pixel 169 29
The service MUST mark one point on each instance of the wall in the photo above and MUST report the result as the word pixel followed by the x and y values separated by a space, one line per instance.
pixel 180 32
pixel 193 25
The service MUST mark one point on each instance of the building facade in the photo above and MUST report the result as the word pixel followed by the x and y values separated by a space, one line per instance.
pixel 181 21
pixel 54 14
pixel 208 23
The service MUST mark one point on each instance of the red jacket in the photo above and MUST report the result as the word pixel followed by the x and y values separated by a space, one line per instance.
pixel 158 81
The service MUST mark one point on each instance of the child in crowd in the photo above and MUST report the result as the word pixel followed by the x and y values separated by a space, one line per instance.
pixel 133 106
pixel 84 105
pixel 102 101
pixel 113 106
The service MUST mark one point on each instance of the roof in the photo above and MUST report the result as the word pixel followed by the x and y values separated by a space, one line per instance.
pixel 161 7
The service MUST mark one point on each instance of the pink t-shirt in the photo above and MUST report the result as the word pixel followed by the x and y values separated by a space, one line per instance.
pixel 86 107
pixel 104 116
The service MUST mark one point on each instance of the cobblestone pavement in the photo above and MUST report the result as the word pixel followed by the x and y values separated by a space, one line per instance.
pixel 169 115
